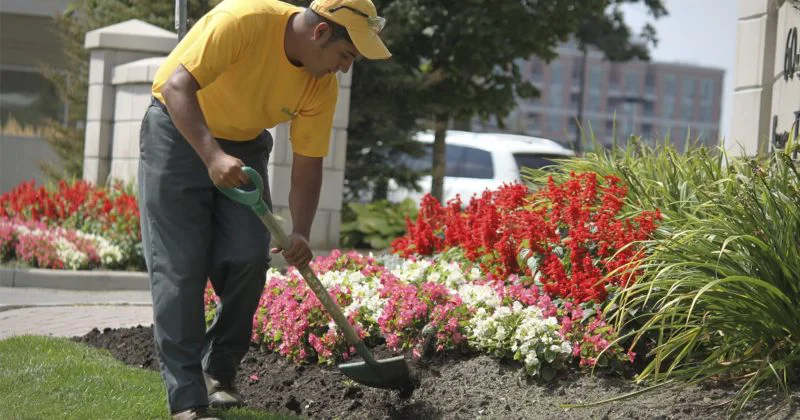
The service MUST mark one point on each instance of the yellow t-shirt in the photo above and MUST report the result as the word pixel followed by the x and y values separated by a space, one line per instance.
pixel 247 83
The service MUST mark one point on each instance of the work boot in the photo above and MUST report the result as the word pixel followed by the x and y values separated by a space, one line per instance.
pixel 197 413
pixel 222 394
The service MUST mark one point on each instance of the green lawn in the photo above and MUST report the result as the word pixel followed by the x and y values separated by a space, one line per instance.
pixel 43 377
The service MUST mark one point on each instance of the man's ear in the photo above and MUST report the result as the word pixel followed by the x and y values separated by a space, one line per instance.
pixel 322 32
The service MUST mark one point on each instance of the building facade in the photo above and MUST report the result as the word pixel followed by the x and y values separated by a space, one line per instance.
pixel 28 41
pixel 25 94
pixel 651 99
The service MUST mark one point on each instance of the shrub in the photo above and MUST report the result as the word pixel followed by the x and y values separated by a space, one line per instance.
pixel 374 225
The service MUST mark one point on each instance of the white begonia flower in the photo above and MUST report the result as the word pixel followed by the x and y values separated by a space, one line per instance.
pixel 478 295
pixel 67 252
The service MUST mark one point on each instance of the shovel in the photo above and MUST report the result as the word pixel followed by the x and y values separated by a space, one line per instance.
pixel 389 373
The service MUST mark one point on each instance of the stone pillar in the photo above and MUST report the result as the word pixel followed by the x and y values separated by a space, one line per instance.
pixel 132 83
pixel 111 46
pixel 753 77
pixel 785 83
pixel 325 230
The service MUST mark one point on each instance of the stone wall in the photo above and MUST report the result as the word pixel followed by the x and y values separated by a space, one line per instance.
pixel 766 90
pixel 20 157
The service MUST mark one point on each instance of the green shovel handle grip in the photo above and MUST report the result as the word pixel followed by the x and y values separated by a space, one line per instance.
pixel 252 198
pixel 248 198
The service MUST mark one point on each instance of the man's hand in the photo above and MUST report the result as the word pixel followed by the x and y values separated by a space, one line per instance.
pixel 299 253
pixel 226 171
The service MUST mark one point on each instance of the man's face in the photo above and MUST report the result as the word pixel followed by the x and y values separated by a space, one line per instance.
pixel 331 57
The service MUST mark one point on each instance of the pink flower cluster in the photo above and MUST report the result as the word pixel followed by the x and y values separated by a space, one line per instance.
pixel 35 244
pixel 418 315
pixel 292 321
pixel 590 336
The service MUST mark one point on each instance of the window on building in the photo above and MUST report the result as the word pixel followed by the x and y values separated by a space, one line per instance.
pixel 669 106
pixel 596 79
pixel 555 124
pixel 555 95
pixel 28 97
pixel 649 81
pixel 613 77
pixel 647 109
pixel 687 108
pixel 687 88
pixel 647 130
pixel 574 99
pixel 631 82
pixel 611 126
pixel 576 71
pixel 670 85
pixel 537 69
pixel 595 125
pixel 705 114
pixel 595 101
pixel 707 90
pixel 556 72
pixel 532 124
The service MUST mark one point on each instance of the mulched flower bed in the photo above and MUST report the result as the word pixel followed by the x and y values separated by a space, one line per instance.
pixel 451 386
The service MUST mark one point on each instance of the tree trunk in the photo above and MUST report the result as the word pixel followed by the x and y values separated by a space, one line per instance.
pixel 381 190
pixel 582 99
pixel 437 179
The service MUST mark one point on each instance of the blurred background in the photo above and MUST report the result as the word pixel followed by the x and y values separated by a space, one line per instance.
pixel 545 78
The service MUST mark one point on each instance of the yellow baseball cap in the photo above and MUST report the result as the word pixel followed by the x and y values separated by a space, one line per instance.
pixel 362 22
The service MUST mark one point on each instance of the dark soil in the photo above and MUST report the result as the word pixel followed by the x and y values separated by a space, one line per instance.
pixel 453 386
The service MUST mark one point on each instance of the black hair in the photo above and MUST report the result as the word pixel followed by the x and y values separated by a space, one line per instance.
pixel 337 31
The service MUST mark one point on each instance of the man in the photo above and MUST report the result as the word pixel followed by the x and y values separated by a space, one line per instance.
pixel 245 66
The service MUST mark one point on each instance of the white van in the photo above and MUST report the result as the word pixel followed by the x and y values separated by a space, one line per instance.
pixel 479 161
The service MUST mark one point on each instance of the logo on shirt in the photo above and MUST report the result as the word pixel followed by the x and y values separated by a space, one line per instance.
pixel 289 112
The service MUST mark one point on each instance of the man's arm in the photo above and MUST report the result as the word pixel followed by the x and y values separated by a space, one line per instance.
pixel 303 202
pixel 180 96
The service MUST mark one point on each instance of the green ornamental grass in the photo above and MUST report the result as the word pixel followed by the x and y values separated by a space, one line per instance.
pixel 719 297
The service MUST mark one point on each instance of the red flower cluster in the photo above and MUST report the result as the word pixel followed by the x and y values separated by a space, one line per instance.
pixel 110 212
pixel 77 203
pixel 570 235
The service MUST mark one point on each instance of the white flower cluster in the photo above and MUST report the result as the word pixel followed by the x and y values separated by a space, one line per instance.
pixel 413 271
pixel 521 332
pixel 73 258
pixel 362 289
pixel 109 253
pixel 479 296
pixel 449 274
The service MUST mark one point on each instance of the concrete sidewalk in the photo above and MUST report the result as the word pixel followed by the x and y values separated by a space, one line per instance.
pixel 70 313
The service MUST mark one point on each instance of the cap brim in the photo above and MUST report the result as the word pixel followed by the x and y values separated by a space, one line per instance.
pixel 369 44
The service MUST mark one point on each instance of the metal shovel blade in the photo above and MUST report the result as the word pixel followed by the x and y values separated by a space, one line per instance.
pixel 391 373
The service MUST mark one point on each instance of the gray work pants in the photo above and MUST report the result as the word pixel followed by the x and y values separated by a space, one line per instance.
pixel 192 232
